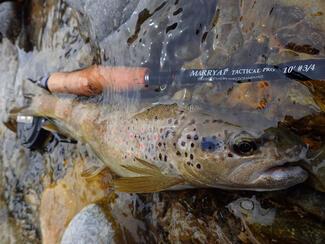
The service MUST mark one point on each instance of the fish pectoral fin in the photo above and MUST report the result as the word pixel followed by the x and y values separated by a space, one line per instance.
pixel 145 184
pixel 145 169
pixel 92 171
pixel 152 179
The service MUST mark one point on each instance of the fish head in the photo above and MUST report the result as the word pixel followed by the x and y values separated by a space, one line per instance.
pixel 215 153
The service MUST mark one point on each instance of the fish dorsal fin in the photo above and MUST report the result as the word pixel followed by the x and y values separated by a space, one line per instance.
pixel 152 180
pixel 160 111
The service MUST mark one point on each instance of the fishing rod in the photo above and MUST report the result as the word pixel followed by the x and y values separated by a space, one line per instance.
pixel 95 79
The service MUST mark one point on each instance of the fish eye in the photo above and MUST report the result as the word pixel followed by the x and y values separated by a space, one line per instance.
pixel 245 147
pixel 211 144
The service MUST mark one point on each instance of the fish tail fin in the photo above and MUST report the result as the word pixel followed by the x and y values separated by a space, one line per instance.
pixel 30 88
pixel 36 102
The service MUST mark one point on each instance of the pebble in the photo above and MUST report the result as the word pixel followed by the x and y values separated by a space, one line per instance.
pixel 90 225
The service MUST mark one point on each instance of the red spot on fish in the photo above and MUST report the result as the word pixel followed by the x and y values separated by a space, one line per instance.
pixel 155 137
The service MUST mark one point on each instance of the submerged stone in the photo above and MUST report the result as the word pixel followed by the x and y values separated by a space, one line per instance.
pixel 90 225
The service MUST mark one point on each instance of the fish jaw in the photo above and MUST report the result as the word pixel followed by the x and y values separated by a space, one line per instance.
pixel 279 177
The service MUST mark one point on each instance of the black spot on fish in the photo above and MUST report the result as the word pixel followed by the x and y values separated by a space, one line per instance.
pixel 174 144
pixel 160 156
pixel 189 137
pixel 159 144
pixel 183 143
pixel 191 157
pixel 230 155
pixel 196 137
pixel 169 121
pixel 206 121
pixel 198 166
pixel 186 154
pixel 156 117
pixel 178 153
pixel 165 158
pixel 192 145
pixel 176 122
pixel 188 163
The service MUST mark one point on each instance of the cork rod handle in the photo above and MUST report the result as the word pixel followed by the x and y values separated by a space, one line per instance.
pixel 94 79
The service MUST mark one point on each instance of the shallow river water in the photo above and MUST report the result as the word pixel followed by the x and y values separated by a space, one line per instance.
pixel 42 191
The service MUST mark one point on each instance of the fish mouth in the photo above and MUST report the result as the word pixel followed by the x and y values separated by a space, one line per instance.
pixel 281 176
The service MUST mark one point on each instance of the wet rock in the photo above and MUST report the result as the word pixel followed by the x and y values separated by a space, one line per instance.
pixel 8 69
pixel 224 38
pixel 61 202
pixel 9 19
pixel 283 224
pixel 308 200
pixel 105 16
pixel 159 34
pixel 309 40
pixel 90 225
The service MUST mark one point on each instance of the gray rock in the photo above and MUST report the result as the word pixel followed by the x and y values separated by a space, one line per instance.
pixel 160 34
pixel 90 225
pixel 9 22
pixel 105 16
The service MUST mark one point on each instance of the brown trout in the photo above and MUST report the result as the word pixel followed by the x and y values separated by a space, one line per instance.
pixel 172 146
